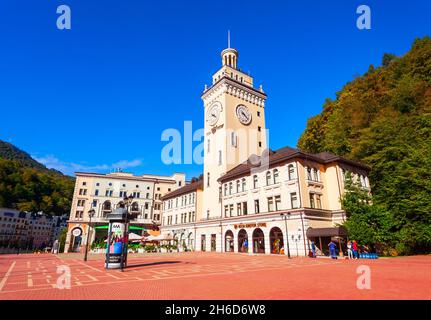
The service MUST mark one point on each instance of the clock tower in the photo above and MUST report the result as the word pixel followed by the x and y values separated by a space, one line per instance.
pixel 234 126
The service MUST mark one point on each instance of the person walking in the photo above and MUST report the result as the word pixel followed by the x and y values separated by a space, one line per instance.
pixel 349 250
pixel 355 249
pixel 313 249
pixel 332 252
pixel 245 245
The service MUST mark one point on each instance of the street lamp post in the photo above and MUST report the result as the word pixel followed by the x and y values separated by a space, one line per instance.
pixel 296 240
pixel 283 215
pixel 90 215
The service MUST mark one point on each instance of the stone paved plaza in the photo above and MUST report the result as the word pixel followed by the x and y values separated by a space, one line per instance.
pixel 213 276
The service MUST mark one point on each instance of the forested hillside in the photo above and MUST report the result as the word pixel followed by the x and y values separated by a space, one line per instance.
pixel 27 185
pixel 383 119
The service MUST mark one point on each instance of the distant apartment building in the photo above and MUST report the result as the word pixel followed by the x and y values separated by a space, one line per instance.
pixel 103 193
pixel 29 230
pixel 13 227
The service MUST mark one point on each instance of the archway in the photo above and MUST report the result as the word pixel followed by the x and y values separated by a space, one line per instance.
pixel 258 241
pixel 229 241
pixel 276 240
pixel 76 239
pixel 242 241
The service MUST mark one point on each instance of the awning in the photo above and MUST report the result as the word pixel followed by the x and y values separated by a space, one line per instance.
pixel 327 232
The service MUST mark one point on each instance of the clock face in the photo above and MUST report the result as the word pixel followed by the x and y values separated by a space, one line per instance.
pixel 243 114
pixel 213 114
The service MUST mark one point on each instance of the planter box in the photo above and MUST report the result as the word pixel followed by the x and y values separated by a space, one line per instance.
pixel 141 250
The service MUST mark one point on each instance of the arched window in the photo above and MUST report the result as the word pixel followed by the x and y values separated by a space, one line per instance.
pixel 106 207
pixel 275 173
pixel 238 184
pixel 255 181
pixel 268 178
pixel 244 184
pixel 291 171
pixel 225 189
pixel 230 187
pixel 120 204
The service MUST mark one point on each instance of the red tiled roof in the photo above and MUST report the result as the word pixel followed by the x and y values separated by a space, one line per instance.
pixel 186 189
pixel 282 155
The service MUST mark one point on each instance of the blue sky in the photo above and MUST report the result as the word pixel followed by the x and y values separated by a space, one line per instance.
pixel 98 96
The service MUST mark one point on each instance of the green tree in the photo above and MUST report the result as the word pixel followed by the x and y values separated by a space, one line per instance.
pixel 62 239
pixel 366 222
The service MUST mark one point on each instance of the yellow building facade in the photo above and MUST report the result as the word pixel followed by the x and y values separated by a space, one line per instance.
pixel 253 199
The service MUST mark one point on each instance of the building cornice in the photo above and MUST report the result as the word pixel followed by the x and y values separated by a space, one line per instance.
pixel 237 89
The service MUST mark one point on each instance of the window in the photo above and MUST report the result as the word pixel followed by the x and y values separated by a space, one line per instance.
pixel 255 181
pixel 258 113
pixel 315 174
pixel 147 196
pixel 256 206
pixel 96 192
pixel 268 178
pixel 220 158
pixel 225 189
pixel 244 208
pixel 309 177
pixel 294 200
pixel 318 201
pixel 238 209
pixel 291 171
pixel 231 210
pixel 238 184
pixel 275 176
pixel 244 184
pixel 277 200
pixel 84 183
pixel 208 146
pixel 233 139
pixel 260 144
pixel 270 204
pixel 226 211
pixel 259 129
pixel 312 204
pixel 230 187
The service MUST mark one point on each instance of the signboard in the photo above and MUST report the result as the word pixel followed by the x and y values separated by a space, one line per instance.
pixel 118 240
pixel 76 232
pixel 249 225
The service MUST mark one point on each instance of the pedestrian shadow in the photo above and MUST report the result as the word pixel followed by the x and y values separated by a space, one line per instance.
pixel 151 264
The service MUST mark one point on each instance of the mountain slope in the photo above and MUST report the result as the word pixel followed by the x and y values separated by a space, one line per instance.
pixel 384 119
pixel 10 152
pixel 28 185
